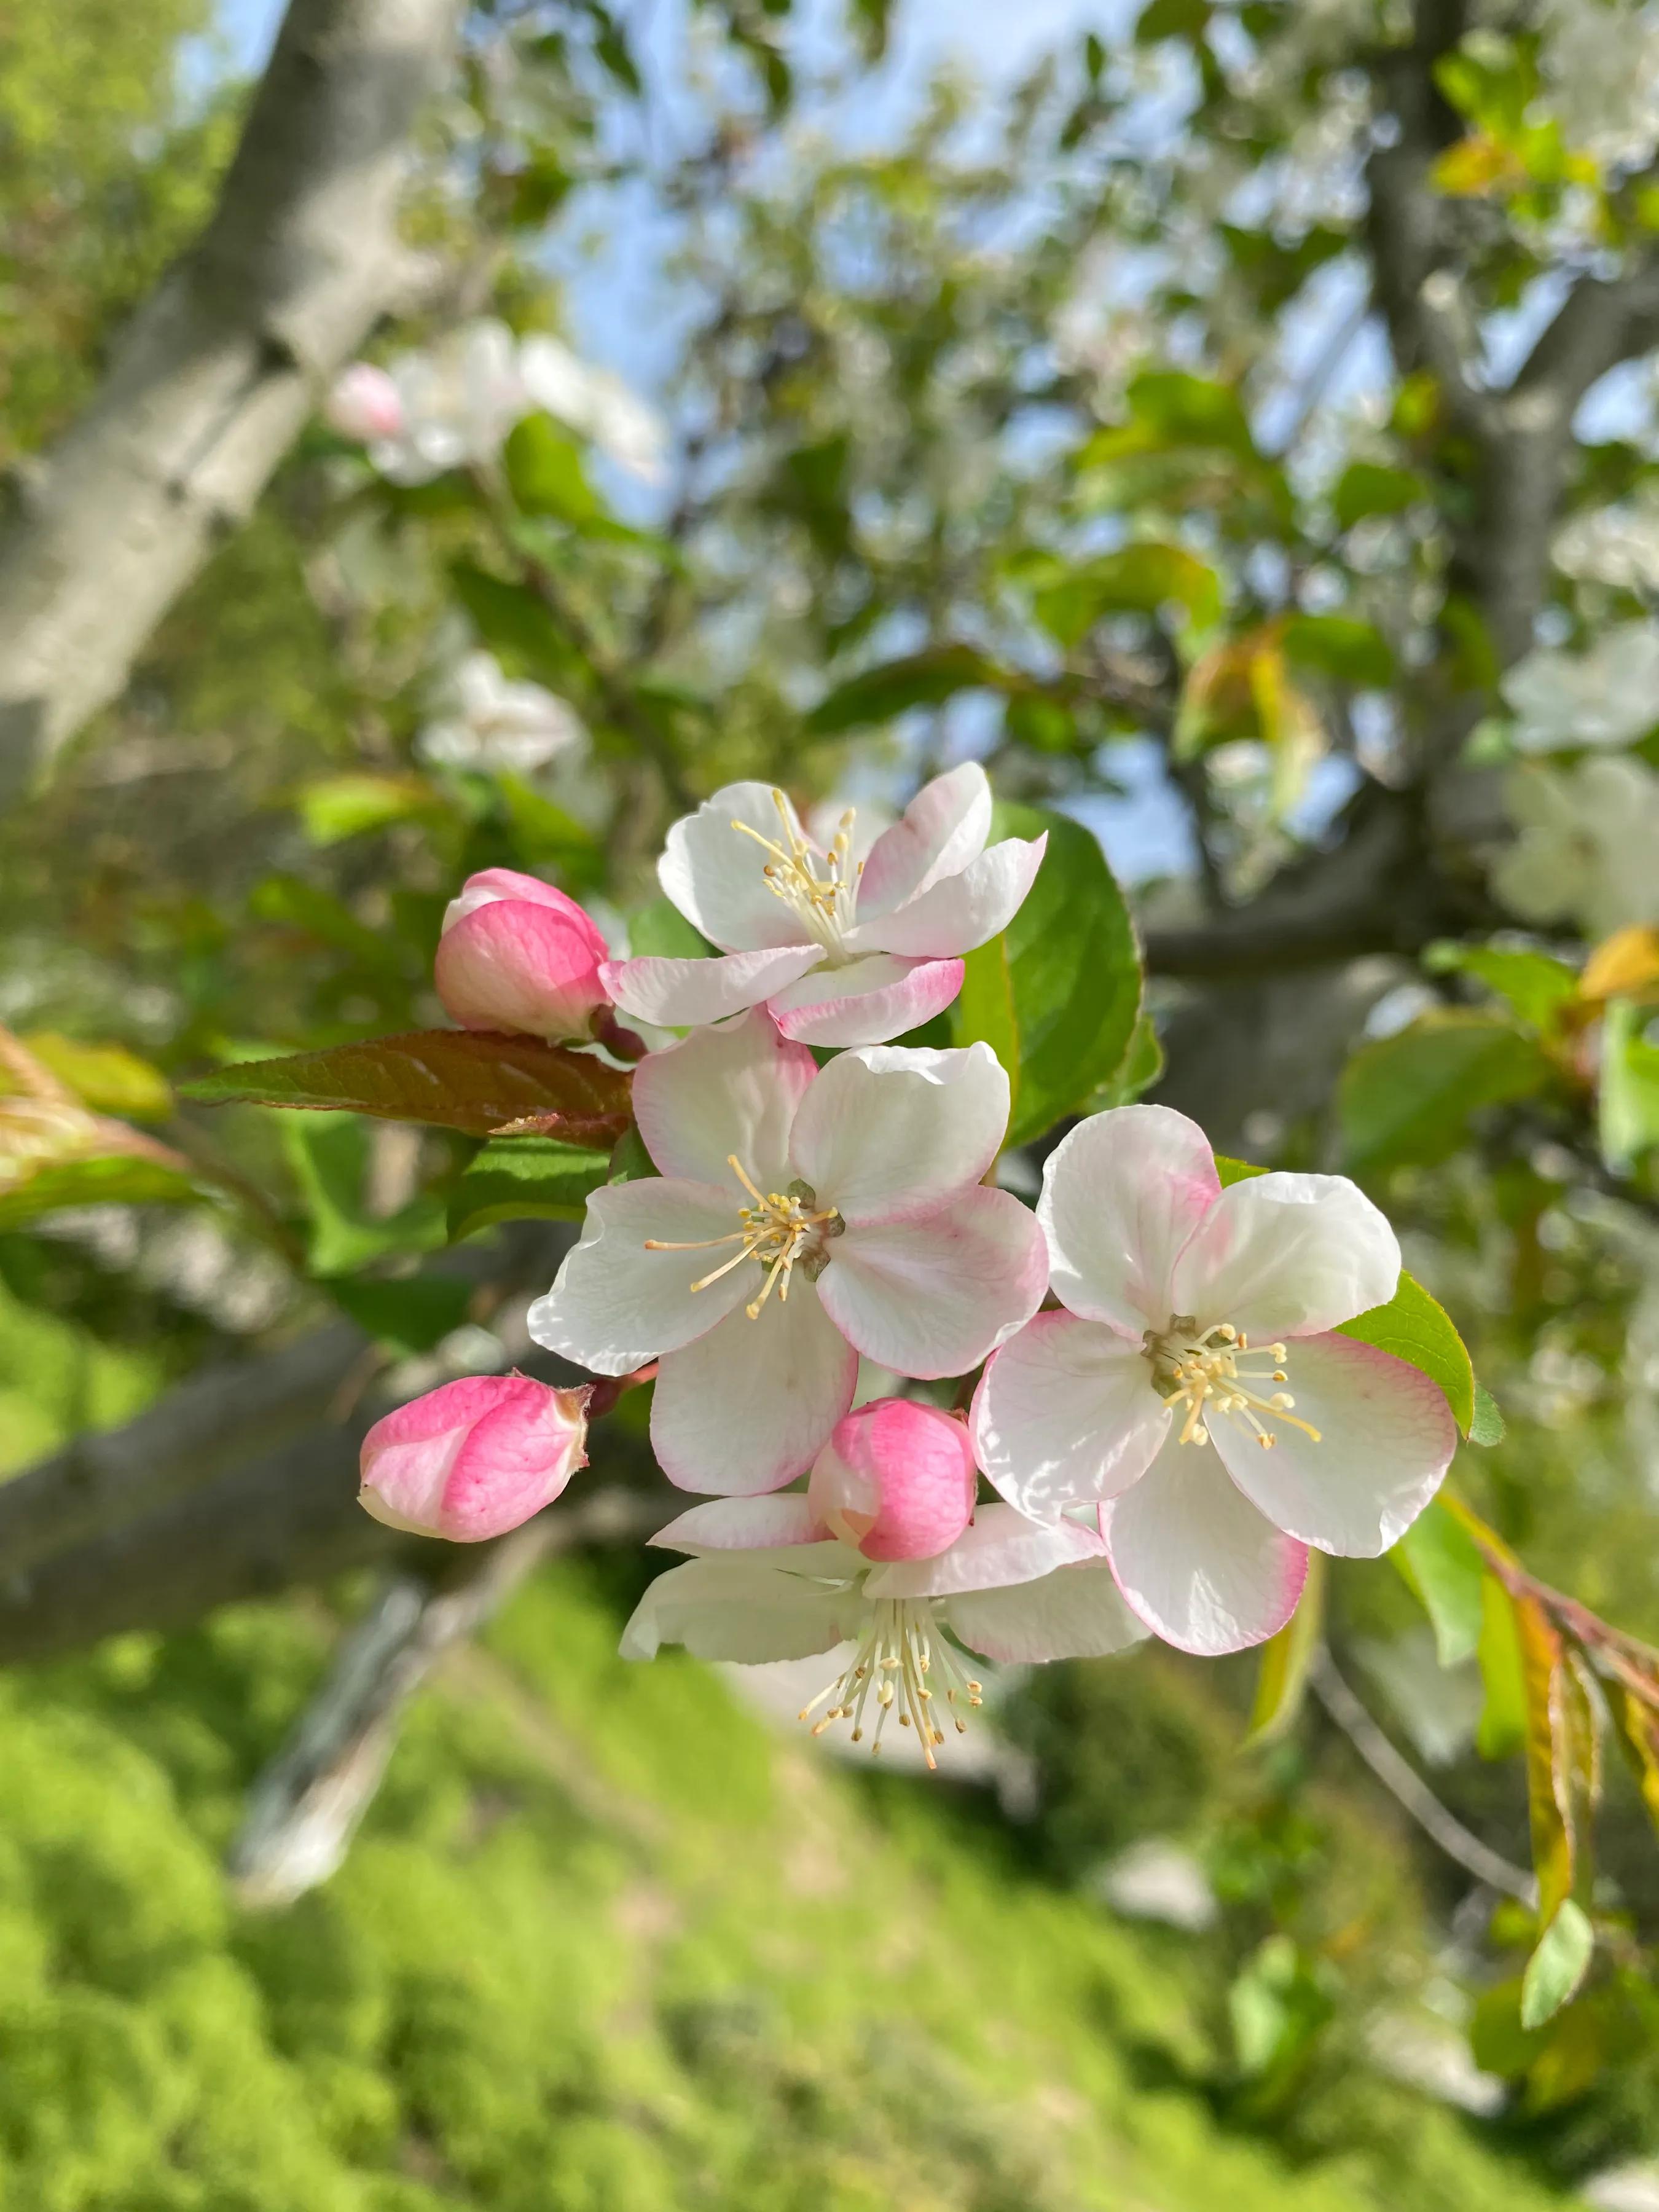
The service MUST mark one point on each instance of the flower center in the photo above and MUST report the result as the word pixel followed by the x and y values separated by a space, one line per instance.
pixel 783 1230
pixel 1217 1372
pixel 900 1648
pixel 822 904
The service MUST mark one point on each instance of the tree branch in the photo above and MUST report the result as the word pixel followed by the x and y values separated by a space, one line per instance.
pixel 218 372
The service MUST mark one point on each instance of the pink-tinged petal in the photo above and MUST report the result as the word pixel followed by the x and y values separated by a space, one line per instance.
pixel 489 885
pixel 749 1406
pixel 896 1480
pixel 932 1297
pixel 1202 1568
pixel 475 1458
pixel 960 912
pixel 1076 1612
pixel 743 1524
pixel 716 874
pixel 1121 1194
pixel 942 829
pixel 615 1303
pixel 1001 1548
pixel 1065 1414
pixel 512 965
pixel 364 403
pixel 867 1001
pixel 683 994
pixel 734 1088
pixel 1287 1255
pixel 747 1606
pixel 1386 1436
pixel 892 1133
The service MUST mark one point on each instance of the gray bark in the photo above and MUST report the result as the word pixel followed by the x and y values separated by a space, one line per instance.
pixel 218 372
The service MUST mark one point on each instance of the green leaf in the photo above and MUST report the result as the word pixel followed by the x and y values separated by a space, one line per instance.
pixel 1136 1073
pixel 1366 487
pixel 525 1179
pixel 106 1077
pixel 1487 1426
pixel 1281 1682
pixel 1534 986
pixel 1629 1121
pixel 1137 579
pixel 1440 1563
pixel 661 932
pixel 1503 1726
pixel 1409 1097
pixel 1069 966
pixel 336 807
pixel 1172 19
pixel 116 1180
pixel 328 1156
pixel 289 902
pixel 630 1162
pixel 513 622
pixel 1352 652
pixel 1229 1171
pixel 1559 1966
pixel 921 679
pixel 544 470
pixel 467 1080
pixel 1417 1329
pixel 408 1316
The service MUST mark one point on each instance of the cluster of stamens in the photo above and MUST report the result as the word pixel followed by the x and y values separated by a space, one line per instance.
pixel 823 904
pixel 897 1652
pixel 782 1230
pixel 1218 1373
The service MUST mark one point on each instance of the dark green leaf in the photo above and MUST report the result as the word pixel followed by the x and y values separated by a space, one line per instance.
pixel 408 1316
pixel 1136 1073
pixel 513 622
pixel 630 1161
pixel 1409 1097
pixel 1366 487
pixel 526 1178
pixel 328 1156
pixel 544 469
pixel 1172 19
pixel 1352 652
pixel 921 679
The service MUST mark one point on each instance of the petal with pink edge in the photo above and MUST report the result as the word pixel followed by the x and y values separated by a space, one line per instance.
pixel 715 874
pixel 1386 1436
pixel 1076 1612
pixel 892 1131
pixel 683 994
pixel 1065 1415
pixel 748 1407
pixel 1121 1196
pixel 1202 1568
pixel 615 1304
pixel 744 1524
pixel 960 912
pixel 489 884
pixel 932 1297
pixel 866 1002
pixel 942 829
pixel 1001 1546
pixel 510 965
pixel 747 1606
pixel 1287 1255
pixel 734 1088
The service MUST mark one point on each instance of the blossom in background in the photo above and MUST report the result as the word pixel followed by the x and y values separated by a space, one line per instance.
pixel 767 1582
pixel 475 1458
pixel 896 1480
pixel 1608 695
pixel 1599 63
pixel 516 954
pixel 840 951
pixel 1192 1393
pixel 800 1219
pixel 1617 545
pixel 1586 848
pixel 597 403
pixel 497 724
pixel 365 403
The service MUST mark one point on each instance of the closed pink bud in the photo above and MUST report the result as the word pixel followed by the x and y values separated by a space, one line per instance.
pixel 516 954
pixel 896 1478
pixel 365 403
pixel 474 1458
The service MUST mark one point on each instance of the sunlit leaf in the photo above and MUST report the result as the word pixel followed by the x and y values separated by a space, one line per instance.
pixel 1281 1680
pixel 1438 1558
pixel 544 470
pixel 106 1077
pixel 1559 1966
pixel 526 1178
pixel 1410 1097
pixel 1416 1328
pixel 1535 987
pixel 335 807
pixel 1503 1724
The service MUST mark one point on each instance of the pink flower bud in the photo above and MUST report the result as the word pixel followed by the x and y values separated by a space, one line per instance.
pixel 516 954
pixel 364 404
pixel 896 1478
pixel 474 1458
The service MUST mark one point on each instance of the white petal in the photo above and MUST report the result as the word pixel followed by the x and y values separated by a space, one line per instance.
pixel 942 829
pixel 999 1547
pixel 682 994
pixel 1121 1196
pixel 1386 1436
pixel 961 911
pixel 931 1297
pixel 734 1088
pixel 889 1132
pixel 749 1406
pixel 1287 1255
pixel 745 1524
pixel 715 875
pixel 865 1002
pixel 1065 1414
pixel 749 1607
pixel 1076 1612
pixel 614 1304
pixel 1202 1568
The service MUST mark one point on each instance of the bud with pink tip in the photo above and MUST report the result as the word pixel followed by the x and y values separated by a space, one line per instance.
pixel 365 403
pixel 516 954
pixel 898 1479
pixel 474 1458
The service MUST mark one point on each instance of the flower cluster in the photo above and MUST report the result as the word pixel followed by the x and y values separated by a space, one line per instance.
pixel 1168 1436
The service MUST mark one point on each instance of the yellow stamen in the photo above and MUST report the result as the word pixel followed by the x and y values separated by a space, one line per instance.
pixel 1203 1373
pixel 782 1230
pixel 823 903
